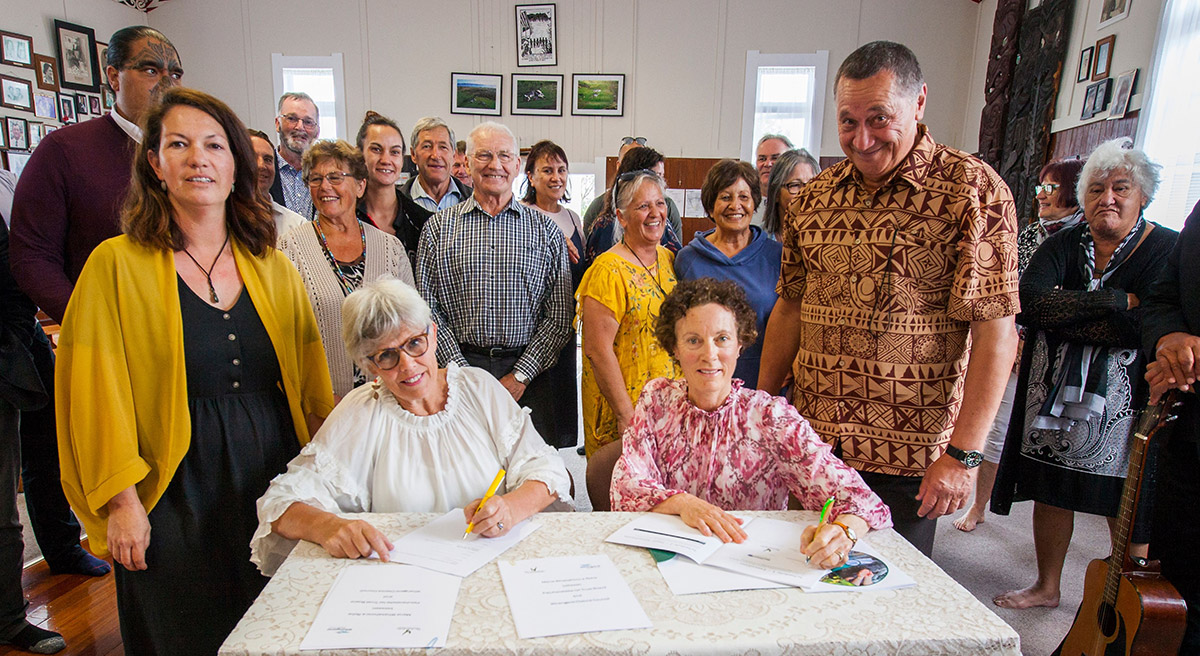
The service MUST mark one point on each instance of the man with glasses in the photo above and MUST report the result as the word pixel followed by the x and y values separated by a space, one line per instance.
pixel 434 188
pixel 67 201
pixel 495 274
pixel 298 124
pixel 597 205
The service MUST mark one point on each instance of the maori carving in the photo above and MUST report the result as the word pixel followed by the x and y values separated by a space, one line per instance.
pixel 1001 59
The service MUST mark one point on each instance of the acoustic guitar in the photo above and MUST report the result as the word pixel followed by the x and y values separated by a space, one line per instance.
pixel 1129 610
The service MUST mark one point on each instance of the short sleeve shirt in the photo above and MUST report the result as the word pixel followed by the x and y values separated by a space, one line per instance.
pixel 890 282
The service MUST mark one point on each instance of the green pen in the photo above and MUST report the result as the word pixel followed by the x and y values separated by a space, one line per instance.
pixel 824 516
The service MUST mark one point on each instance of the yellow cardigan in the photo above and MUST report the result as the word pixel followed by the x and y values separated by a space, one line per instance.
pixel 121 385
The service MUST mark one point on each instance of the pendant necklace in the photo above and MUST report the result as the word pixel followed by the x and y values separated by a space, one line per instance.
pixel 654 276
pixel 212 291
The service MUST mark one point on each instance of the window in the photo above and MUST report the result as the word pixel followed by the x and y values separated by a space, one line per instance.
pixel 1167 126
pixel 320 78
pixel 581 186
pixel 785 94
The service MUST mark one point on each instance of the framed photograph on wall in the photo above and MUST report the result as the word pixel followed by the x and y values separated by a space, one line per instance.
pixel 66 102
pixel 45 104
pixel 109 97
pixel 1089 99
pixel 94 105
pixel 1112 11
pixel 16 49
pixel 537 43
pixel 16 93
pixel 46 72
pixel 81 105
pixel 101 61
pixel 1103 94
pixel 1122 95
pixel 1085 65
pixel 15 161
pixel 598 95
pixel 16 132
pixel 475 93
pixel 538 95
pixel 77 67
pixel 1103 62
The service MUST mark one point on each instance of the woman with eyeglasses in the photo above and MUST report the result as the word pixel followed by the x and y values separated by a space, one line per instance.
pixel 618 301
pixel 602 232
pixel 735 250
pixel 791 172
pixel 417 439
pixel 340 250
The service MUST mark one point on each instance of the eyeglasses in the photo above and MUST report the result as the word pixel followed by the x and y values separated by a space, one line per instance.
pixel 388 358
pixel 794 186
pixel 292 119
pixel 334 178
pixel 1047 188
pixel 486 156
pixel 641 141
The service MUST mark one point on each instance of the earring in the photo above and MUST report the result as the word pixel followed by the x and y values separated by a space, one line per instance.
pixel 162 184
pixel 233 187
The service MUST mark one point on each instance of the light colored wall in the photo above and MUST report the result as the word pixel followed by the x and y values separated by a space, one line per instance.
pixel 1134 48
pixel 684 60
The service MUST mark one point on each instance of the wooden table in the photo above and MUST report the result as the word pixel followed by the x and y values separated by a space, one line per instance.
pixel 938 616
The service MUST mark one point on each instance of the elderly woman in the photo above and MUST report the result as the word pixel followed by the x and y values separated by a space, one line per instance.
pixel 1057 208
pixel 384 205
pixel 418 439
pixel 735 250
pixel 791 172
pixel 339 251
pixel 618 300
pixel 704 445
pixel 190 372
pixel 1080 383
pixel 603 234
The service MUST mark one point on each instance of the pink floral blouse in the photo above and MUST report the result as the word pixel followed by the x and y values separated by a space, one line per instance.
pixel 745 455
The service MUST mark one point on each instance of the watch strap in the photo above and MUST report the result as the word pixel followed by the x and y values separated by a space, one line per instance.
pixel 850 534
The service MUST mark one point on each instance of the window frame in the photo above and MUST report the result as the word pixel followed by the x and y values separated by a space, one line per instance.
pixel 755 60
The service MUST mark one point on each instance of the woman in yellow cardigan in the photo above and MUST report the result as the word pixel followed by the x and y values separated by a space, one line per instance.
pixel 190 372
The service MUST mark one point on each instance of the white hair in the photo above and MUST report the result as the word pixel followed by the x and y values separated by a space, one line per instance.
pixel 767 137
pixel 1116 155
pixel 624 195
pixel 489 126
pixel 376 312
pixel 429 123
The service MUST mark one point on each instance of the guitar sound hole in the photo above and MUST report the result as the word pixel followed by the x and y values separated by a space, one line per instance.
pixel 1106 619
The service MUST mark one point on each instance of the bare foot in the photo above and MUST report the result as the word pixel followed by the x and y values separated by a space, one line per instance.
pixel 967 522
pixel 1027 598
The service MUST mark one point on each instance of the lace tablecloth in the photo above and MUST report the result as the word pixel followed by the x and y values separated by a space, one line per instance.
pixel 938 616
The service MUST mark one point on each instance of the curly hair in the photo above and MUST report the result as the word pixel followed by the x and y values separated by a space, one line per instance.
pixel 337 150
pixel 702 291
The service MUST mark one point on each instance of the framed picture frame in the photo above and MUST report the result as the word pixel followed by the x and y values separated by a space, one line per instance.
pixel 536 95
pixel 102 61
pixel 1112 11
pixel 45 104
pixel 16 132
pixel 476 93
pixel 35 135
pixel 598 95
pixel 94 105
pixel 81 105
pixel 1089 99
pixel 3 139
pixel 108 97
pixel 1122 94
pixel 1085 65
pixel 66 103
pixel 77 66
pixel 45 72
pixel 537 38
pixel 1103 94
pixel 16 49
pixel 1103 59
pixel 16 93
pixel 15 161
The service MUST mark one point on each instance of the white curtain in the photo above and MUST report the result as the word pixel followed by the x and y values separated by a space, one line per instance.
pixel 1169 132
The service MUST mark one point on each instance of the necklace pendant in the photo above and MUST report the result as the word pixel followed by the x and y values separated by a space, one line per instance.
pixel 212 294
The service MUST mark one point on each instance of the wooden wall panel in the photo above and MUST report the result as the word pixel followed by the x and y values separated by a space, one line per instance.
pixel 1080 141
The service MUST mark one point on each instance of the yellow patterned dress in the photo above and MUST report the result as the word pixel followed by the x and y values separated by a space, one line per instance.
pixel 634 296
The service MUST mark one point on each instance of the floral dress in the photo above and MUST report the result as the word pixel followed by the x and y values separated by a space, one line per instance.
pixel 634 296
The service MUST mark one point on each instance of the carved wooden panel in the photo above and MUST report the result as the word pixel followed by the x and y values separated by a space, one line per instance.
pixel 1002 58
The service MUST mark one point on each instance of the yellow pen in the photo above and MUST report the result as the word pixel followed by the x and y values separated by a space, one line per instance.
pixel 491 491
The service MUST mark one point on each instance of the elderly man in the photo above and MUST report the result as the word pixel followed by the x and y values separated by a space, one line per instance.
pixel 69 200
pixel 893 259
pixel 298 123
pixel 434 188
pixel 1171 336
pixel 495 274
pixel 674 219
pixel 770 147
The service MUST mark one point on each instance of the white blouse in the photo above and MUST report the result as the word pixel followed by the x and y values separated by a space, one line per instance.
pixel 372 455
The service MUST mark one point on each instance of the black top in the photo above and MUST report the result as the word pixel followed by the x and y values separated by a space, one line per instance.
pixel 226 351
pixel 410 218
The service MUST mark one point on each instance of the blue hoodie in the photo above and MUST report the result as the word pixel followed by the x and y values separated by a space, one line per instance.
pixel 755 268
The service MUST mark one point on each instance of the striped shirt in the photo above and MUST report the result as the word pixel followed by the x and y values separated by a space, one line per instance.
pixel 497 281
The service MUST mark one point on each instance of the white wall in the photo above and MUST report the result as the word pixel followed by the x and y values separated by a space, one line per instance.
pixel 684 60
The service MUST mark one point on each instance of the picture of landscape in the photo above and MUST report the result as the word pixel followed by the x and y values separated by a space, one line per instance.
pixel 599 95
pixel 475 93
pixel 537 94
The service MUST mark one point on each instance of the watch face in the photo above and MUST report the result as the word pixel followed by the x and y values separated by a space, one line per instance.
pixel 972 459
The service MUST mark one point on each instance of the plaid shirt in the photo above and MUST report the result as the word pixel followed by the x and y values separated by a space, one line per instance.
pixel 497 281
pixel 296 196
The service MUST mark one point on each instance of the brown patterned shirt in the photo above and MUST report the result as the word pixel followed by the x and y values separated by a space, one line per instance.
pixel 890 281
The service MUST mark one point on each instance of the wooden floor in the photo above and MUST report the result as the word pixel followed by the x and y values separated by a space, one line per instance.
pixel 82 608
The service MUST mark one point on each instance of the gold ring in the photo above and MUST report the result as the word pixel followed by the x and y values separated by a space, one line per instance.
pixel 839 556
pixel 500 525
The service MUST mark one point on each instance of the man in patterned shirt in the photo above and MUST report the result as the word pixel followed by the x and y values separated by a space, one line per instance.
pixel 495 274
pixel 298 124
pixel 896 297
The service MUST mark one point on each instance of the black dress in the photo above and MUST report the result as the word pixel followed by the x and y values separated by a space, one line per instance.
pixel 199 580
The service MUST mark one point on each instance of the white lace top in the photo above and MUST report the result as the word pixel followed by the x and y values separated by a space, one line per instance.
pixel 371 455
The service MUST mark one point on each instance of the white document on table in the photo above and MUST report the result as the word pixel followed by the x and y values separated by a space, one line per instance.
pixel 569 594
pixel 685 577
pixel 771 551
pixel 374 607
pixel 439 545
pixel 668 533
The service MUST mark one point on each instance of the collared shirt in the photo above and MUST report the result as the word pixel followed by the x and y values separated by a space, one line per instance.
pixel 423 198
pixel 496 281
pixel 890 282
pixel 129 127
pixel 296 196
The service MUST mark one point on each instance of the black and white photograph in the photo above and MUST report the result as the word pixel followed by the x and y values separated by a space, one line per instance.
pixel 94 105
pixel 16 132
pixel 537 95
pixel 16 93
pixel 16 49
pixel 1103 60
pixel 1085 65
pixel 81 105
pixel 45 104
pixel 45 72
pixel 66 102
pixel 15 161
pixel 1121 96
pixel 77 65
pixel 536 41
pixel 1112 11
